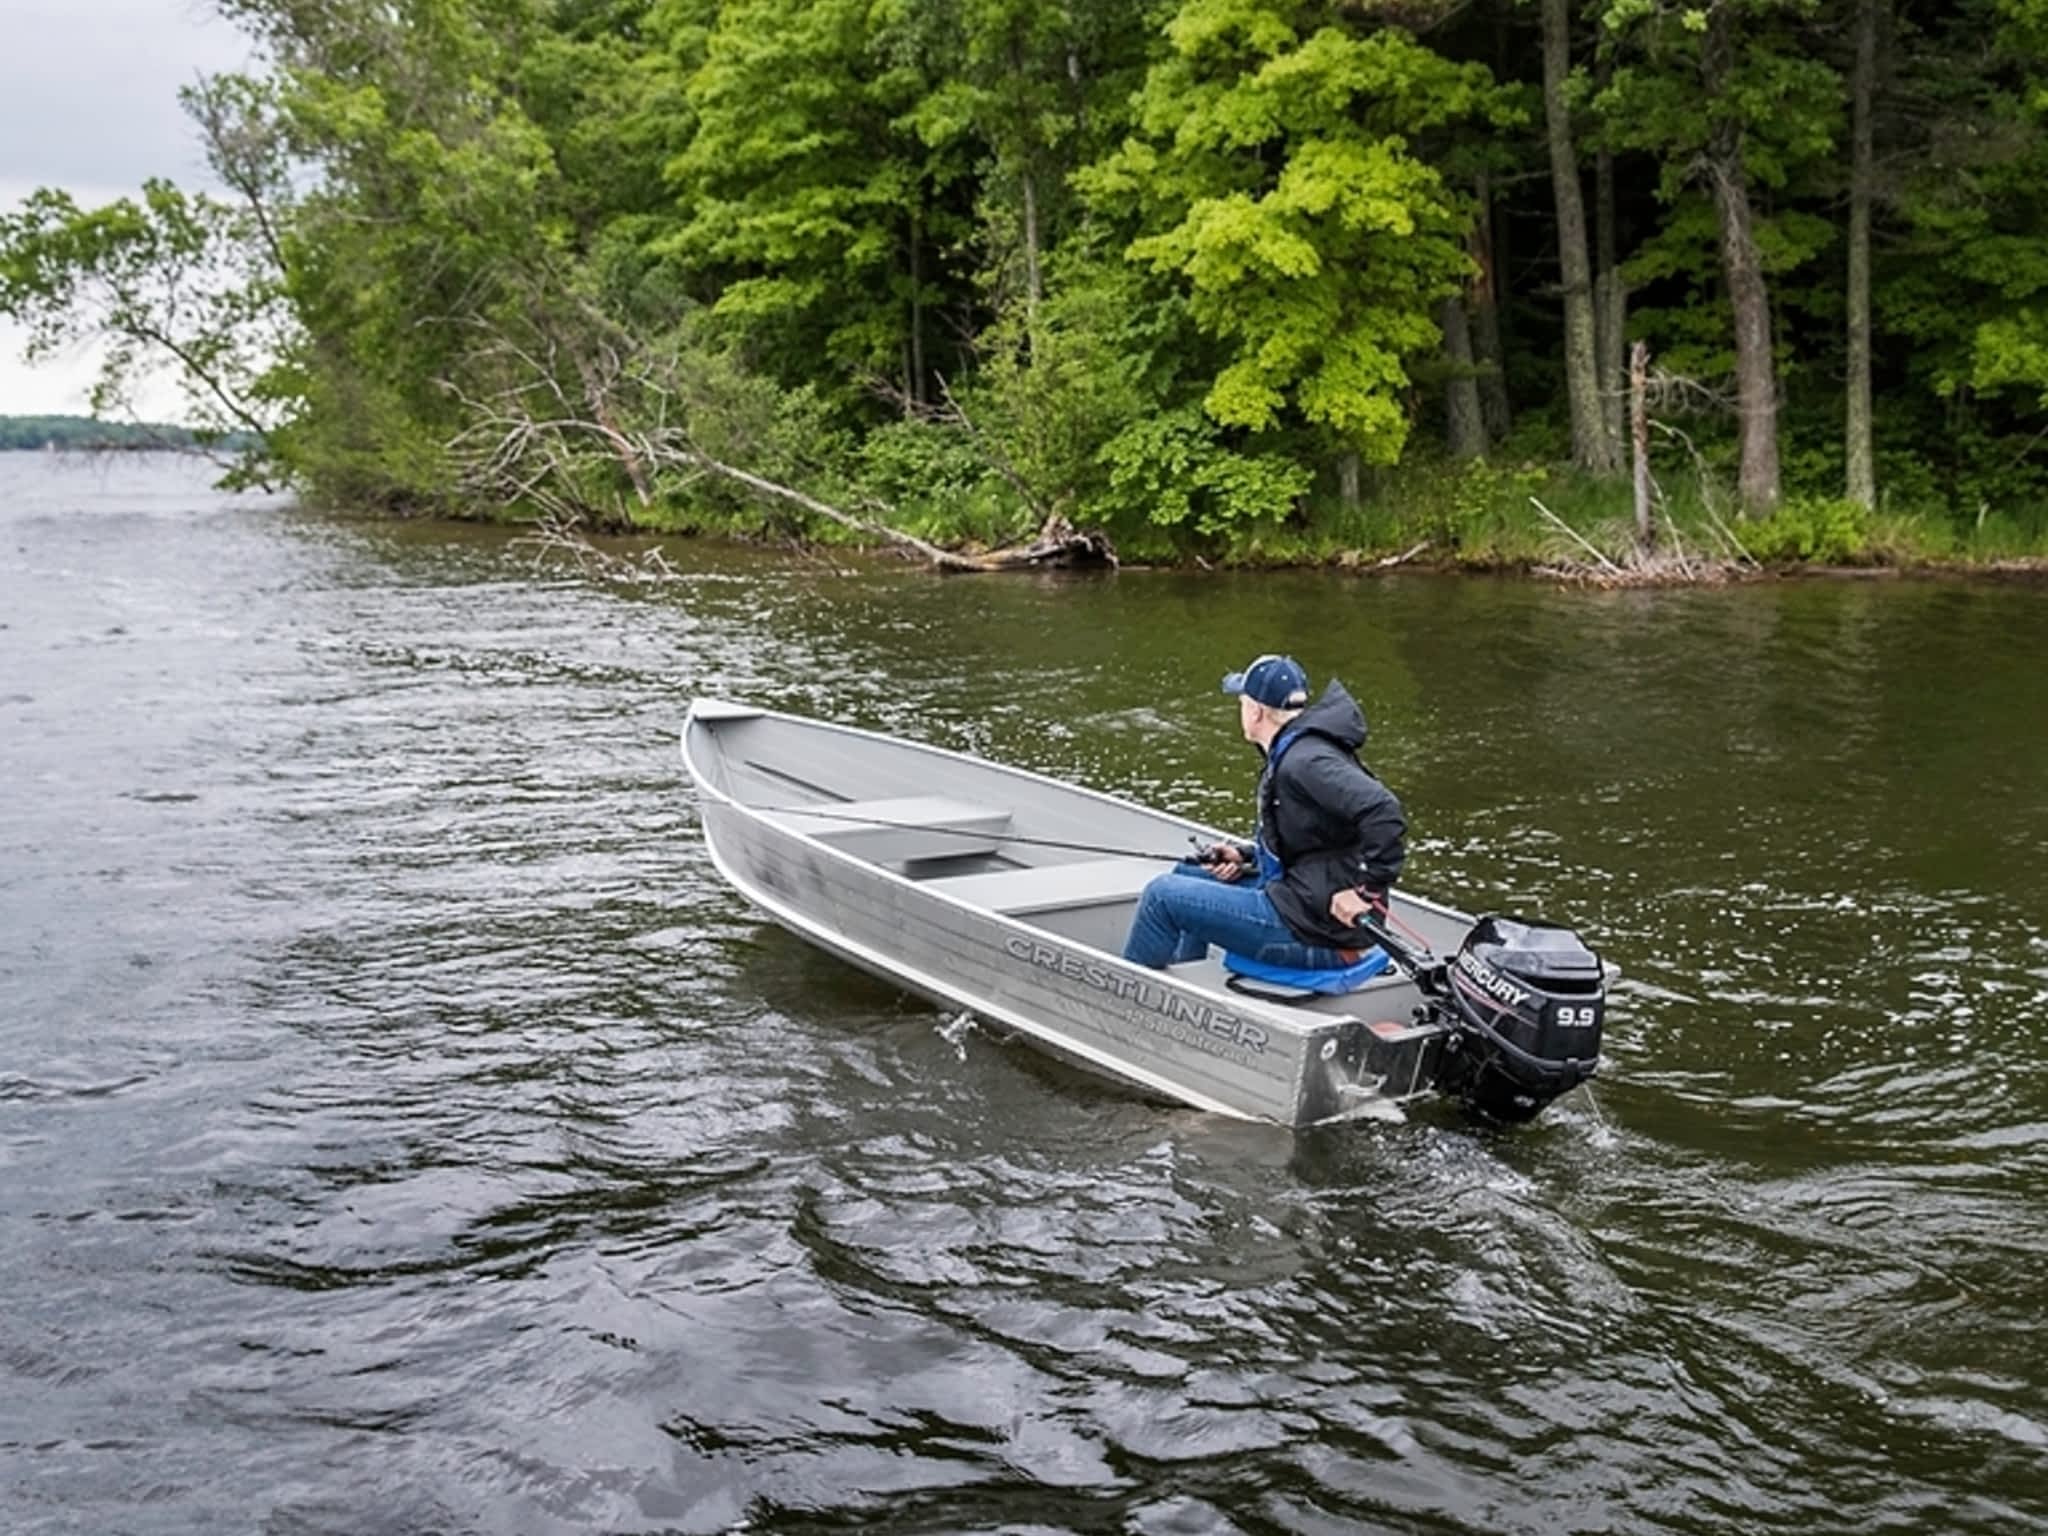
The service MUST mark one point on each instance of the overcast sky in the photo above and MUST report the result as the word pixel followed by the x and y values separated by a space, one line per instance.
pixel 89 102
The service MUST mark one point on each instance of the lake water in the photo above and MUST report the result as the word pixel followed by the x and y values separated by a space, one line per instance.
pixel 403 1130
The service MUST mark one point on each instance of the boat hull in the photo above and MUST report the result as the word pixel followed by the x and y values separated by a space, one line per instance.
pixel 1191 1043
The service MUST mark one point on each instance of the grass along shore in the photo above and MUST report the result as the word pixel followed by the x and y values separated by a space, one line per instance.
pixel 1543 520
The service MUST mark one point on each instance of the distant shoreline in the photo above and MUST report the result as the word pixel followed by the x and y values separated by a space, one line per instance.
pixel 88 434
pixel 101 447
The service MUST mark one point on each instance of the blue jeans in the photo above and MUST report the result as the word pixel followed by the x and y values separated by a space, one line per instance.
pixel 1187 909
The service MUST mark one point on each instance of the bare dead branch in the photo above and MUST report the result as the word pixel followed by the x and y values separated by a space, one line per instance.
pixel 575 401
pixel 1388 561
pixel 1575 536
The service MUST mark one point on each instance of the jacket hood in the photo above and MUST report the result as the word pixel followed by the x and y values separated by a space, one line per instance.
pixel 1335 715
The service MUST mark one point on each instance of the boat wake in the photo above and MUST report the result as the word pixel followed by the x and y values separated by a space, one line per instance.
pixel 954 1030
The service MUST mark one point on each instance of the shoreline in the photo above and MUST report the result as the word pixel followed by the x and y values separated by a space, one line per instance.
pixel 1357 561
pixel 2017 570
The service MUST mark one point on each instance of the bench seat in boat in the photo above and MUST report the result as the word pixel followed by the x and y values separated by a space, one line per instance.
pixel 1053 887
pixel 902 829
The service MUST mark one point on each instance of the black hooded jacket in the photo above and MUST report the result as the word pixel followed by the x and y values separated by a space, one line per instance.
pixel 1331 823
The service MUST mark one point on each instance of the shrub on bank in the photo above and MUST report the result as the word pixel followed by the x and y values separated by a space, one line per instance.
pixel 1812 529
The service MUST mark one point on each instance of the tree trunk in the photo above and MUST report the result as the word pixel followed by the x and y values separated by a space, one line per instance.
pixel 596 396
pixel 1756 371
pixel 1592 449
pixel 1862 468
pixel 1610 298
pixel 622 446
pixel 1464 426
pixel 1504 296
pixel 1639 440
pixel 1756 392
pixel 1347 481
pixel 1484 305
pixel 1033 288
pixel 916 390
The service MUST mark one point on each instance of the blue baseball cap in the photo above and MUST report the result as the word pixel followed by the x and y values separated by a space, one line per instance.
pixel 1274 681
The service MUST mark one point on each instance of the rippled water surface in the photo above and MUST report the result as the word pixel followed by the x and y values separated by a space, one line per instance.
pixel 402 1130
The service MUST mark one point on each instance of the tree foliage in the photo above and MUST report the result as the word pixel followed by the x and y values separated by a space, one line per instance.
pixel 1176 268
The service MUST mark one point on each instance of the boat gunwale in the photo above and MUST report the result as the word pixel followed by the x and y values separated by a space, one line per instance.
pixel 737 712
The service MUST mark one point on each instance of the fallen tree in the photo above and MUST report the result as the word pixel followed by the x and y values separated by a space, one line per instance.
pixel 582 416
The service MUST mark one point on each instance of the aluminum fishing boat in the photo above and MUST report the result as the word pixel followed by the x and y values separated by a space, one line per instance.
pixel 1008 894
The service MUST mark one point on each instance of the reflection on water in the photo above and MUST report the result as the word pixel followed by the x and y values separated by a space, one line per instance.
pixel 401 1129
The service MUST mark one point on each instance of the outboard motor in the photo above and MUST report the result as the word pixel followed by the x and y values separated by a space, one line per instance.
pixel 1523 1004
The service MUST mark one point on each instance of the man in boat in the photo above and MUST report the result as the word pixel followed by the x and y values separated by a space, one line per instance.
pixel 1331 841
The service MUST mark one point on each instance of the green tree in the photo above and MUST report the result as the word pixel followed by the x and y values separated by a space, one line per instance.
pixel 166 278
pixel 1731 101
pixel 1991 209
pixel 1273 182
pixel 827 205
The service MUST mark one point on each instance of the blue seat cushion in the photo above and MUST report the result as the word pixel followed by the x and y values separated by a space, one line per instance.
pixel 1347 978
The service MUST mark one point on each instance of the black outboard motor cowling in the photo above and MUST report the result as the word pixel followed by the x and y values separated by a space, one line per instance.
pixel 1524 1004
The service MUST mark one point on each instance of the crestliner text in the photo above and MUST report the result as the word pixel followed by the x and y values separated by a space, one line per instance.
pixel 1218 1022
